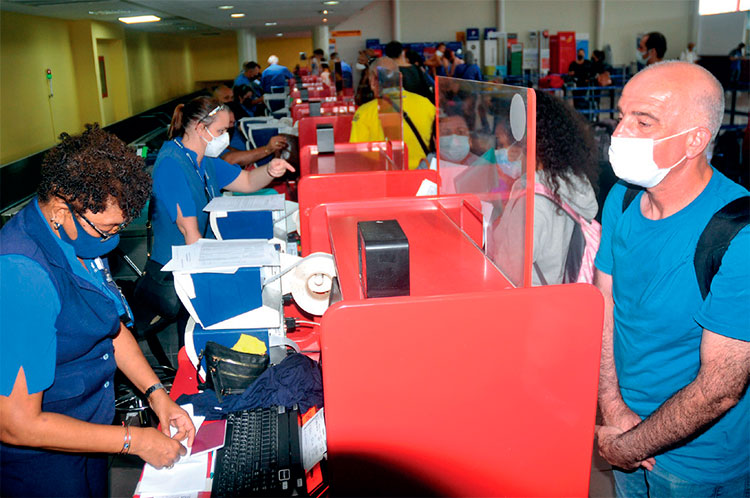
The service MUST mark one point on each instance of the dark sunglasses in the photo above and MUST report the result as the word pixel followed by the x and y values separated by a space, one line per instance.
pixel 104 235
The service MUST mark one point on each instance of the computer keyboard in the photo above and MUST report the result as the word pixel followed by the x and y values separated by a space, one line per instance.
pixel 261 455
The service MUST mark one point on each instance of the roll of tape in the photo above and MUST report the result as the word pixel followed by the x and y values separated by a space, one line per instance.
pixel 311 281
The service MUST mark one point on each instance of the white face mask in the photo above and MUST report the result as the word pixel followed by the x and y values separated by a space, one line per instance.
pixel 632 159
pixel 454 148
pixel 439 53
pixel 513 169
pixel 216 145
pixel 361 67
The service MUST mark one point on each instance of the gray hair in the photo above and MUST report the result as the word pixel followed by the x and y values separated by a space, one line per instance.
pixel 708 106
pixel 273 60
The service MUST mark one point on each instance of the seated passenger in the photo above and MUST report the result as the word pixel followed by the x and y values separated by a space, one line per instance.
pixel 62 335
pixel 250 72
pixel 188 174
pixel 438 65
pixel 566 165
pixel 223 94
pixel 467 69
pixel 366 125
pixel 238 153
pixel 275 75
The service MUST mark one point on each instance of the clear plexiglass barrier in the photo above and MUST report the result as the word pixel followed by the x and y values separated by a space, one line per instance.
pixel 485 137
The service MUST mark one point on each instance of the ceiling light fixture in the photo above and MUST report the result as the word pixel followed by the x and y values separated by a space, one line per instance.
pixel 271 23
pixel 225 7
pixel 139 19
pixel 237 15
pixel 331 2
pixel 325 19
pixel 279 34
pixel 324 12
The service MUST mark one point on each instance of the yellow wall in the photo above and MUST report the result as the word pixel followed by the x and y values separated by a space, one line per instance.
pixel 30 120
pixel 286 49
pixel 159 68
pixel 143 70
pixel 214 57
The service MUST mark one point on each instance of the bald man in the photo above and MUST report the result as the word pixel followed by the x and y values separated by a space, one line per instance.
pixel 674 367
pixel 223 94
pixel 367 123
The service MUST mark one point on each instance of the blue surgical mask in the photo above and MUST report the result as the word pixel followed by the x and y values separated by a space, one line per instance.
pixel 454 148
pixel 513 169
pixel 87 246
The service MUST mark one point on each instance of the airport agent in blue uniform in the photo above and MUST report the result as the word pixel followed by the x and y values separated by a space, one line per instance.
pixel 188 174
pixel 61 334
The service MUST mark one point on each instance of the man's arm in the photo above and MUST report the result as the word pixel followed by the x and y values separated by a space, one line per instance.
pixel 249 157
pixel 614 410
pixel 721 382
pixel 250 180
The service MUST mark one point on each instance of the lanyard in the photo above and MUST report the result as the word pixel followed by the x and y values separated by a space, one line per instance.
pixel 110 287
pixel 207 187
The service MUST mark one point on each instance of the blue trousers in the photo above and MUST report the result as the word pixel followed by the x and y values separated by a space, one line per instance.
pixel 55 474
pixel 661 484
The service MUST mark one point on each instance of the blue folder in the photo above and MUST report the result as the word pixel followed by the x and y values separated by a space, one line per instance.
pixel 246 225
pixel 220 296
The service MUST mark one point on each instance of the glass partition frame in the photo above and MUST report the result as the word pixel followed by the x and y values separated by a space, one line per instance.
pixel 493 128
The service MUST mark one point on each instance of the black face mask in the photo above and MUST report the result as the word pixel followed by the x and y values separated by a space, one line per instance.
pixel 580 57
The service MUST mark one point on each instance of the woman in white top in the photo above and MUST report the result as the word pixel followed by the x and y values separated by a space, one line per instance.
pixel 566 165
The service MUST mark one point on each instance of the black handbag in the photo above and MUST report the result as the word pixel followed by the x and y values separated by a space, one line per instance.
pixel 229 371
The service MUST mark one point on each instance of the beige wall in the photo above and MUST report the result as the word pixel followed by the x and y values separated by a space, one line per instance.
pixel 287 49
pixel 143 70
pixel 214 57
pixel 30 120
pixel 624 19
pixel 433 20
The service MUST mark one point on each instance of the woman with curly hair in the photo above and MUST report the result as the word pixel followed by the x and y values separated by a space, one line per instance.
pixel 566 167
pixel 61 330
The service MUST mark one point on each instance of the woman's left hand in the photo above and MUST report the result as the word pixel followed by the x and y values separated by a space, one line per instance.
pixel 277 167
pixel 171 415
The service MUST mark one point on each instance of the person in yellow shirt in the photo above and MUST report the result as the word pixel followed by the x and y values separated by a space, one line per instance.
pixel 366 123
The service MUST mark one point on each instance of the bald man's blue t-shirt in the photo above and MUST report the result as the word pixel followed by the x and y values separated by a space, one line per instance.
pixel 660 316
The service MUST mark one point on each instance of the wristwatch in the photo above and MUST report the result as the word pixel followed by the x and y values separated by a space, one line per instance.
pixel 153 388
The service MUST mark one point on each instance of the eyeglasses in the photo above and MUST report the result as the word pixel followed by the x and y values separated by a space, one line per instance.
pixel 105 235
pixel 218 108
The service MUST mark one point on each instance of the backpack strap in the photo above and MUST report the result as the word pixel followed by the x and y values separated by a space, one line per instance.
pixel 630 194
pixel 714 241
pixel 543 190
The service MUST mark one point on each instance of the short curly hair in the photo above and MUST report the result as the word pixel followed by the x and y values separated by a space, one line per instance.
pixel 564 143
pixel 92 169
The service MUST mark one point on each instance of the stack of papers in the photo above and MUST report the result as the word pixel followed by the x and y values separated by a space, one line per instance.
pixel 192 473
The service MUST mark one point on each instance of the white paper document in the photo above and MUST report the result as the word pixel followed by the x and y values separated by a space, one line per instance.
pixel 427 188
pixel 229 204
pixel 313 440
pixel 188 476
pixel 209 255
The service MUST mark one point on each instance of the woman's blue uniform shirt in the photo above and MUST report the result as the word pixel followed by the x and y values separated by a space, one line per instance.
pixel 57 322
pixel 30 305
pixel 180 181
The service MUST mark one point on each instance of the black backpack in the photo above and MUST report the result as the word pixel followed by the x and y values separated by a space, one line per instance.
pixel 715 238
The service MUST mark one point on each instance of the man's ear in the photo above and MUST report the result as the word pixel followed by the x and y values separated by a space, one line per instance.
pixel 697 142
